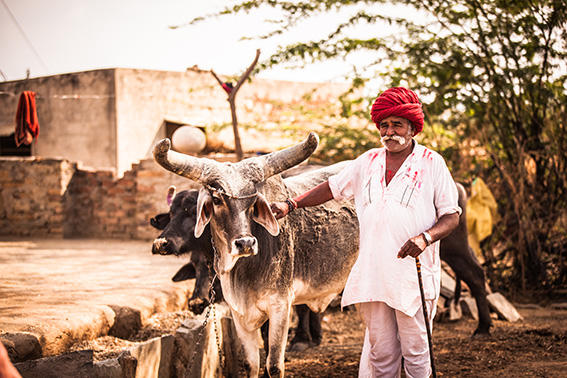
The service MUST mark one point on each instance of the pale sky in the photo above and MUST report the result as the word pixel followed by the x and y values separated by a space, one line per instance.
pixel 59 36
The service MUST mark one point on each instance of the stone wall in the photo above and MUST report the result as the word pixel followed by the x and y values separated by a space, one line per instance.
pixel 55 198
pixel 31 199
pixel 98 205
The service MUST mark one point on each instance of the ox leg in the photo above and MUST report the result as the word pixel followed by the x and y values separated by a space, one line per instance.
pixel 249 342
pixel 315 327
pixel 469 270
pixel 302 337
pixel 279 326
pixel 265 329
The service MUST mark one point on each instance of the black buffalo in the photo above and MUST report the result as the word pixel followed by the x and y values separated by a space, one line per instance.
pixel 177 238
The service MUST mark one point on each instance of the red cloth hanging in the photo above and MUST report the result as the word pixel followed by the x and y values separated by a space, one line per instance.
pixel 27 124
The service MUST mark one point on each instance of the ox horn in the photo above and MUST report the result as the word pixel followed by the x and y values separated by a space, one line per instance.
pixel 279 161
pixel 184 165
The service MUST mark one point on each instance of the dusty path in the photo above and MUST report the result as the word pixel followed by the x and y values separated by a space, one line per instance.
pixel 61 290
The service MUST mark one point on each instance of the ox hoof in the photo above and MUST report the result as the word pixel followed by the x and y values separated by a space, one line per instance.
pixel 275 372
pixel 481 334
pixel 298 347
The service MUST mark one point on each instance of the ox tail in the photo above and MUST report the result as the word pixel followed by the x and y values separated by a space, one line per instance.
pixel 457 295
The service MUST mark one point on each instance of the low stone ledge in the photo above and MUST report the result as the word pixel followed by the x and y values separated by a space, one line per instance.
pixel 197 346
pixel 154 357
pixel 469 307
pixel 22 346
pixel 192 352
pixel 70 365
pixel 127 322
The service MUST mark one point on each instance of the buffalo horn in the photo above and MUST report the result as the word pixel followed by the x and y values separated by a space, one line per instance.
pixel 279 161
pixel 184 165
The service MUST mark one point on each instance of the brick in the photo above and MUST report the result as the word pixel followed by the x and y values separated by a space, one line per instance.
pixel 6 176
pixel 145 189
pixel 144 174
pixel 119 214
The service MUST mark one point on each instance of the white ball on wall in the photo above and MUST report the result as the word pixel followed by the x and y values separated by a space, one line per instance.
pixel 188 139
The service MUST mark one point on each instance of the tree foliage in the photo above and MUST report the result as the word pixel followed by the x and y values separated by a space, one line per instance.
pixel 494 73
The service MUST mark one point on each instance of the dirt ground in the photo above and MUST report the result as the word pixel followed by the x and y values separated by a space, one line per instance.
pixel 534 347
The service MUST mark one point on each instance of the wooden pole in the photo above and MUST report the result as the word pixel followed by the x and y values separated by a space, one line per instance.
pixel 426 317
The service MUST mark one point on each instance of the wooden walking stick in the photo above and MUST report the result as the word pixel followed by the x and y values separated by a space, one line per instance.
pixel 426 317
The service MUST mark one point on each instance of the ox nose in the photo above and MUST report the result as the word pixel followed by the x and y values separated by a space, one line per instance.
pixel 159 246
pixel 246 245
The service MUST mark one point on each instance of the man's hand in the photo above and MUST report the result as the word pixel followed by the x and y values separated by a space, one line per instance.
pixel 413 247
pixel 279 209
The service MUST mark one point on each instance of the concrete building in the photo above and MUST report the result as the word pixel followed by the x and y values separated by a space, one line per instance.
pixel 90 174
pixel 110 118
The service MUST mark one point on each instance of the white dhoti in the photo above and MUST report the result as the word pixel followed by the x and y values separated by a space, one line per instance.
pixel 391 334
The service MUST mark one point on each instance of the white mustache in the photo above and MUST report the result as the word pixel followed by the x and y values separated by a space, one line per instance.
pixel 400 139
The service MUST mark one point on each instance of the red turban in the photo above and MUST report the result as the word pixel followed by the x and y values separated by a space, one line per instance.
pixel 399 102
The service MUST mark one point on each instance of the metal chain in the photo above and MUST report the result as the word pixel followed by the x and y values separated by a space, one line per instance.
pixel 217 338
pixel 210 310
pixel 240 358
pixel 212 295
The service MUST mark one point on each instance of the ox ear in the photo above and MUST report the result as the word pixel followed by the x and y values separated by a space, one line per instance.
pixel 263 216
pixel 160 221
pixel 186 272
pixel 171 191
pixel 204 211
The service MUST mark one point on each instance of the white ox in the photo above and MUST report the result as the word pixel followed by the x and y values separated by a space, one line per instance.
pixel 264 266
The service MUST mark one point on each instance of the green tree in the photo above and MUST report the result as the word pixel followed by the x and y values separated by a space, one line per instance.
pixel 492 72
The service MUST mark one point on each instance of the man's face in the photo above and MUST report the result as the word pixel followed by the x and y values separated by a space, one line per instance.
pixel 395 133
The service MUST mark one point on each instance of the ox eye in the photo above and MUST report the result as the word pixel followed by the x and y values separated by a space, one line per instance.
pixel 217 200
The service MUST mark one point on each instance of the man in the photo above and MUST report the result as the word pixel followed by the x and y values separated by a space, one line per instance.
pixel 406 201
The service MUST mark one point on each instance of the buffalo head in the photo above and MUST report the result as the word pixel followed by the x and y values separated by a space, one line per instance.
pixel 177 225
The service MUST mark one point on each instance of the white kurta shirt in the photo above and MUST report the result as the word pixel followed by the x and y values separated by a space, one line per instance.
pixel 421 192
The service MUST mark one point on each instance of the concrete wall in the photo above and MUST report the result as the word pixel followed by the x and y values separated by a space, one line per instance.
pixel 76 114
pixel 145 98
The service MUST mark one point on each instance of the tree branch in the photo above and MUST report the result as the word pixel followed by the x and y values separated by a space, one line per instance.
pixel 244 76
